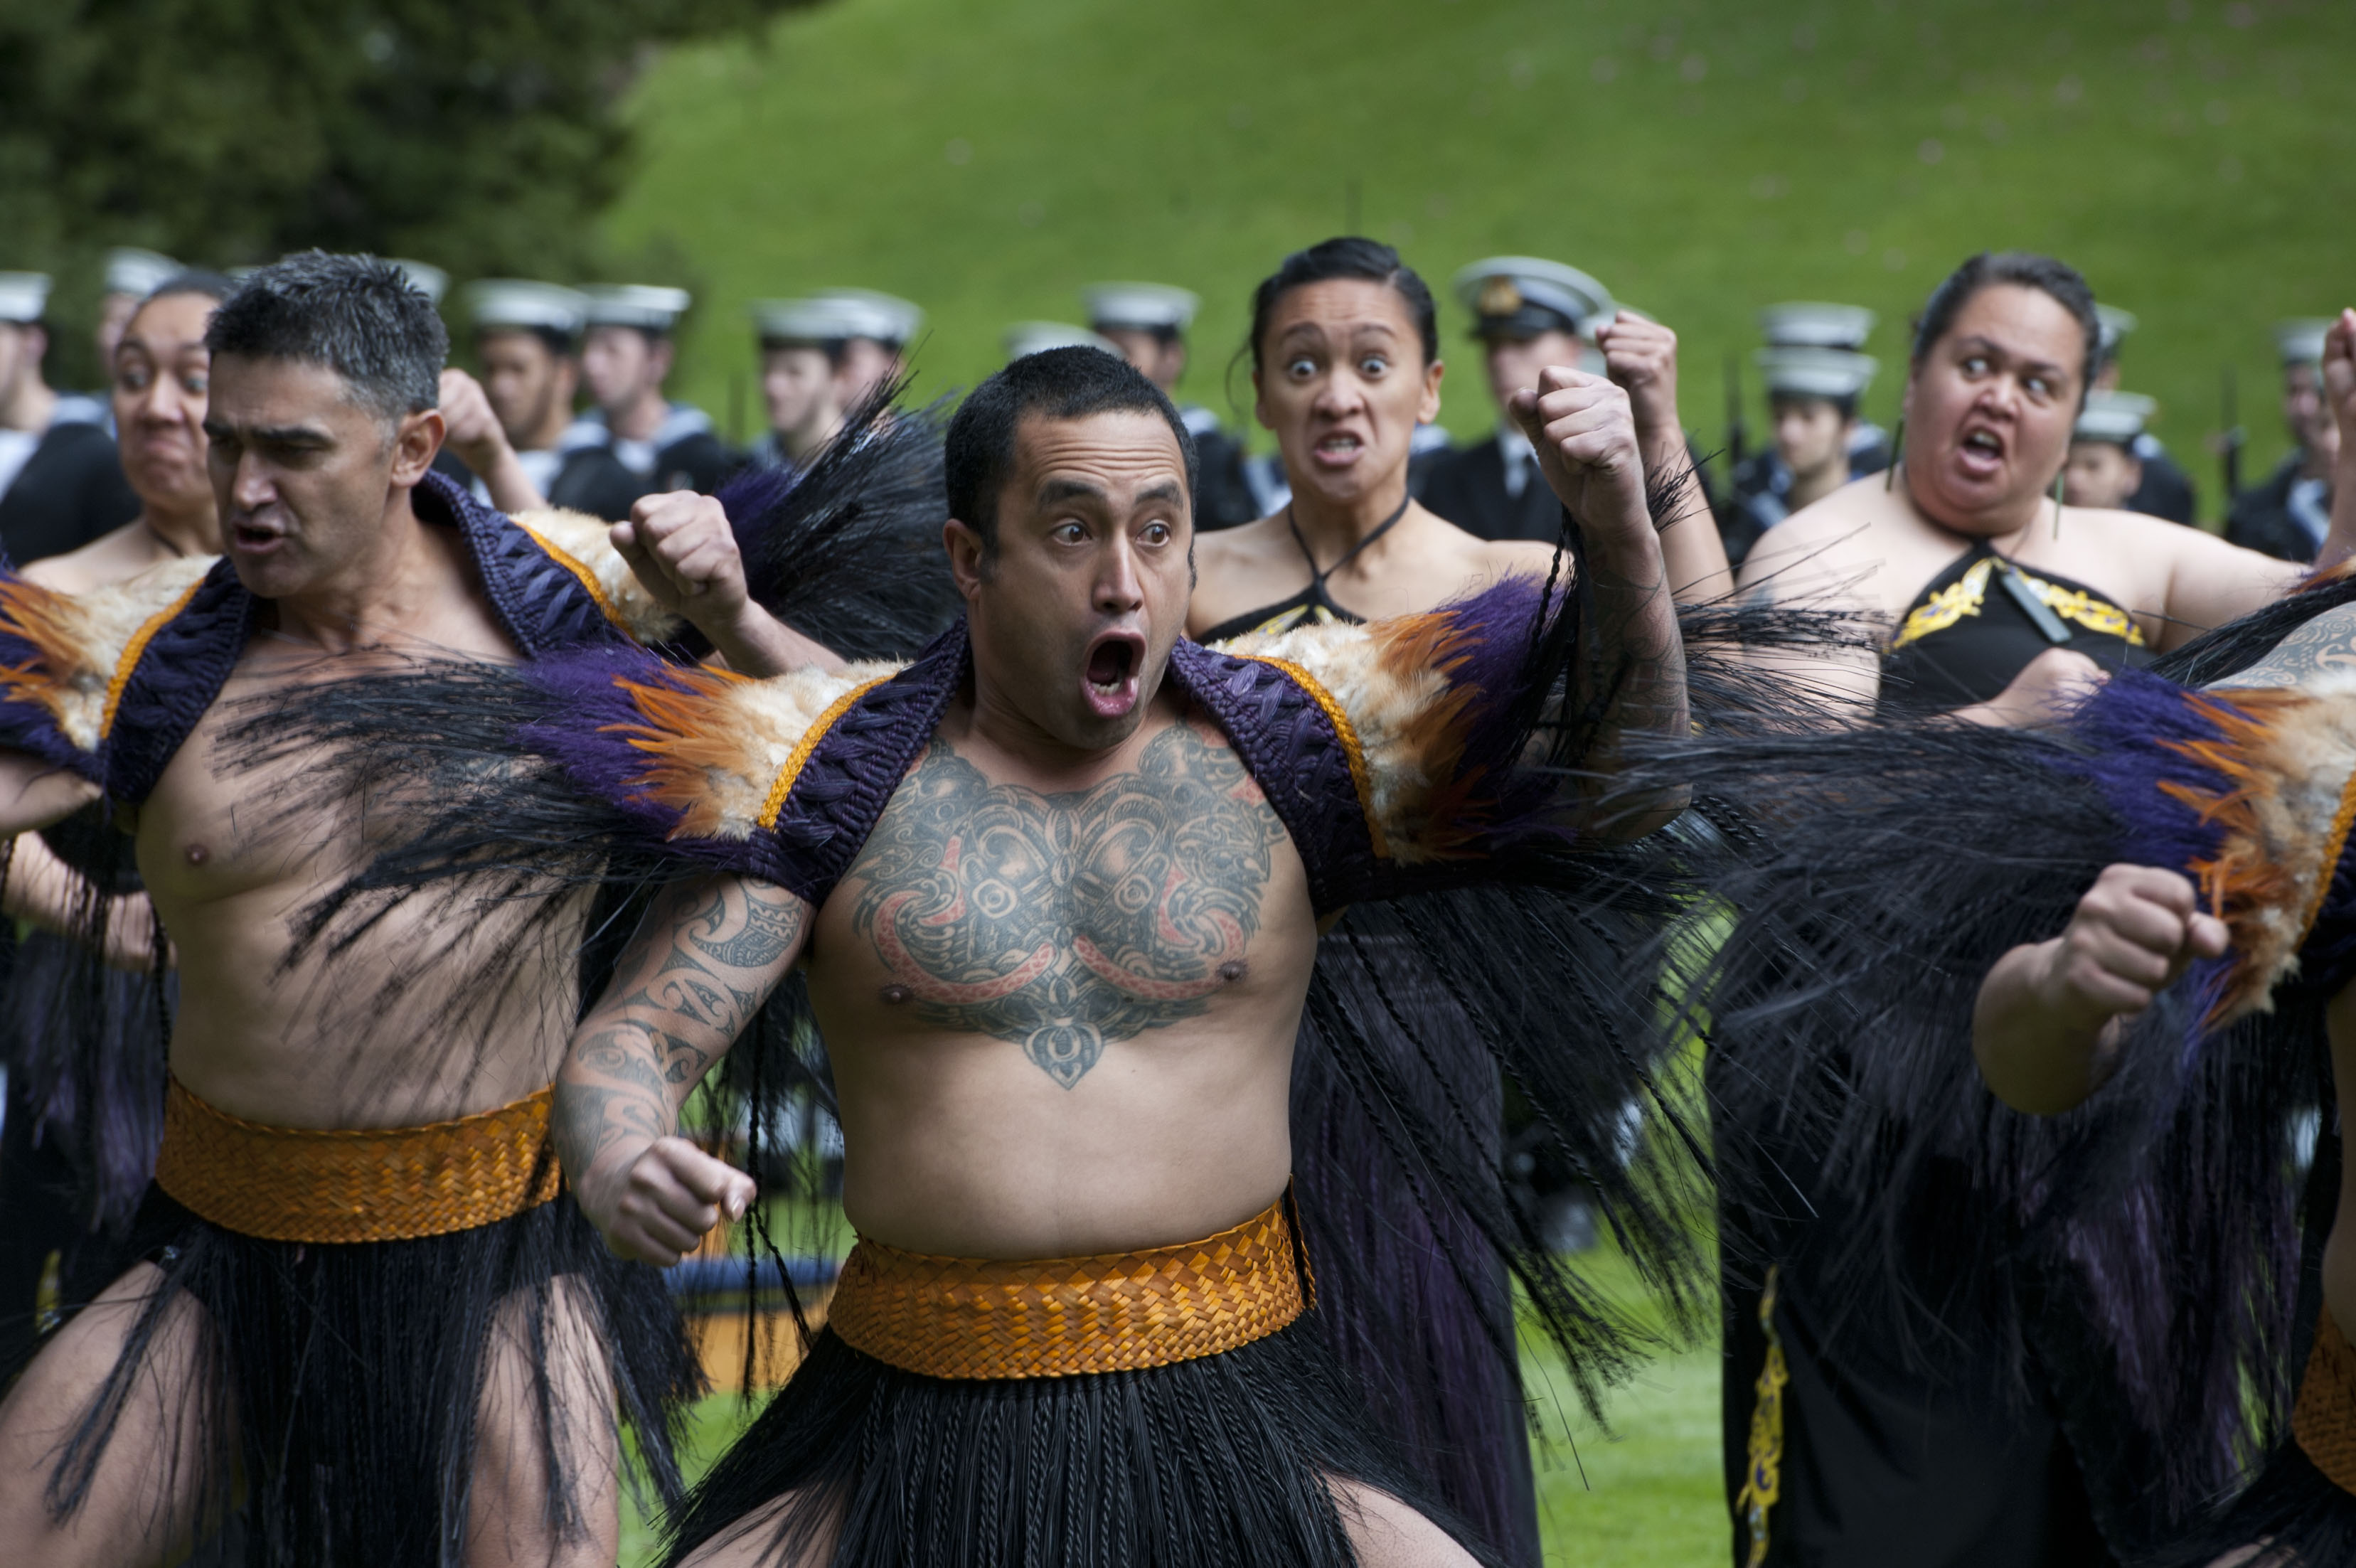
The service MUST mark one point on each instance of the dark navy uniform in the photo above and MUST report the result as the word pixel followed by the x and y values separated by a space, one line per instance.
pixel 2284 515
pixel 69 488
pixel 2287 514
pixel 1812 353
pixel 1492 488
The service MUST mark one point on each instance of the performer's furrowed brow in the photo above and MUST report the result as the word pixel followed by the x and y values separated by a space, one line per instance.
pixel 268 435
pixel 1054 492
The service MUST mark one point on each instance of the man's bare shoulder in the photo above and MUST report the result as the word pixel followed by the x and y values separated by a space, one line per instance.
pixel 2319 652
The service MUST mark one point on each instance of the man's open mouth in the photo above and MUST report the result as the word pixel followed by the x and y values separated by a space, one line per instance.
pixel 1112 667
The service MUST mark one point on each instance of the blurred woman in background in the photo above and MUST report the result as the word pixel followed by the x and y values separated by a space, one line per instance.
pixel 84 1047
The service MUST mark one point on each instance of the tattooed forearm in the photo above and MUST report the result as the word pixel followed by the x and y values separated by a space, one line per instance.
pixel 703 962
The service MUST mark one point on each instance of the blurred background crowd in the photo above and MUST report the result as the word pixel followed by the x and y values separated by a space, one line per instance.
pixel 670 240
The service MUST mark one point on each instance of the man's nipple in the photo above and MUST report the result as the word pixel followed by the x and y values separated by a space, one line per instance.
pixel 893 995
pixel 196 854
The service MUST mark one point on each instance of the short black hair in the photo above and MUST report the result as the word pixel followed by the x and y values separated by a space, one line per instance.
pixel 1055 383
pixel 358 315
pixel 1845 405
pixel 2023 269
pixel 1347 256
pixel 559 343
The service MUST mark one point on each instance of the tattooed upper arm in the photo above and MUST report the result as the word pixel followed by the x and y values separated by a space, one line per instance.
pixel 2323 646
pixel 704 959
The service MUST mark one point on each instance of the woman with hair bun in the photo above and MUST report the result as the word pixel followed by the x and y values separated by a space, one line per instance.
pixel 1345 364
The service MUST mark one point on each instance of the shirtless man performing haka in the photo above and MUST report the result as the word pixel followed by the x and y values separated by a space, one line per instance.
pixel 367 1322
pixel 1057 887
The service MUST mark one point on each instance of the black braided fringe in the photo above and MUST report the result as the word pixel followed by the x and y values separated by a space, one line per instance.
pixel 350 1378
pixel 1220 1460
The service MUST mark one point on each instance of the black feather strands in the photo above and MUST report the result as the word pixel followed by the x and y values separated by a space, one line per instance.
pixel 2143 1251
pixel 848 550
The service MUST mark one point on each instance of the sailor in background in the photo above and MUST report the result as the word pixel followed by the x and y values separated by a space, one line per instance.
pixel 626 357
pixel 805 354
pixel 877 329
pixel 1527 314
pixel 1148 322
pixel 2165 490
pixel 1025 338
pixel 528 352
pixel 132 274
pixel 2288 513
pixel 2105 467
pixel 423 276
pixel 1815 378
pixel 61 484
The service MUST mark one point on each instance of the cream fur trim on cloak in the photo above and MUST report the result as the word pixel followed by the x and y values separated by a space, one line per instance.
pixel 1397 712
pixel 583 545
pixel 88 642
pixel 726 751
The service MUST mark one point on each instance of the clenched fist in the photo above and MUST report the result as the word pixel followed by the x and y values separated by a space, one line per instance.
pixel 2339 371
pixel 2043 1027
pixel 1585 436
pixel 1642 358
pixel 680 546
pixel 473 430
pixel 2133 936
pixel 657 1207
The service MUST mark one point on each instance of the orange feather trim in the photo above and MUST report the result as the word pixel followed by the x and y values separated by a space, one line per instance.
pixel 1449 818
pixel 2267 862
pixel 689 737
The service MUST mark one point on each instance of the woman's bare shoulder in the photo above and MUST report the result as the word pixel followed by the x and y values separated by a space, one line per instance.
pixel 111 557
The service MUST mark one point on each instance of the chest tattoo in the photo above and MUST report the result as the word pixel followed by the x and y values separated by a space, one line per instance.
pixel 1063 922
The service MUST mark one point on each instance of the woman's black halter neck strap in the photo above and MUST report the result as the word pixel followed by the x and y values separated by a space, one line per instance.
pixel 1317 577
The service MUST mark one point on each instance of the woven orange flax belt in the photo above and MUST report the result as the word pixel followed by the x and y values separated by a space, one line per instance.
pixel 390 1184
pixel 1059 1317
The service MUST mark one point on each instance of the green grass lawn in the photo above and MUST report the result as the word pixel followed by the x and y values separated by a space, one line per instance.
pixel 1645 1495
pixel 1703 157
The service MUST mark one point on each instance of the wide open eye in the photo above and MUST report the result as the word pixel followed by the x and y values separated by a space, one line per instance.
pixel 1374 367
pixel 1301 367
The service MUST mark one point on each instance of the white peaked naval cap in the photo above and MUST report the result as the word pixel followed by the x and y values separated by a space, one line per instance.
pixel 648 307
pixel 1147 307
pixel 1027 337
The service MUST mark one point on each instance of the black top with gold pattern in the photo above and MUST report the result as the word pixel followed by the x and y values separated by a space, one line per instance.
pixel 1980 623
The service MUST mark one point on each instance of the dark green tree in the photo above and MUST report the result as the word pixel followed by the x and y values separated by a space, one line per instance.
pixel 482 136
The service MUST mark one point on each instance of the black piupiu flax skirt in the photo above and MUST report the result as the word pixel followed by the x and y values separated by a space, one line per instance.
pixel 336 1390
pixel 1165 1407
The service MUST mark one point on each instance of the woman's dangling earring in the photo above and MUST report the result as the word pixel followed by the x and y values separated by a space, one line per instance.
pixel 1896 452
pixel 2057 506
